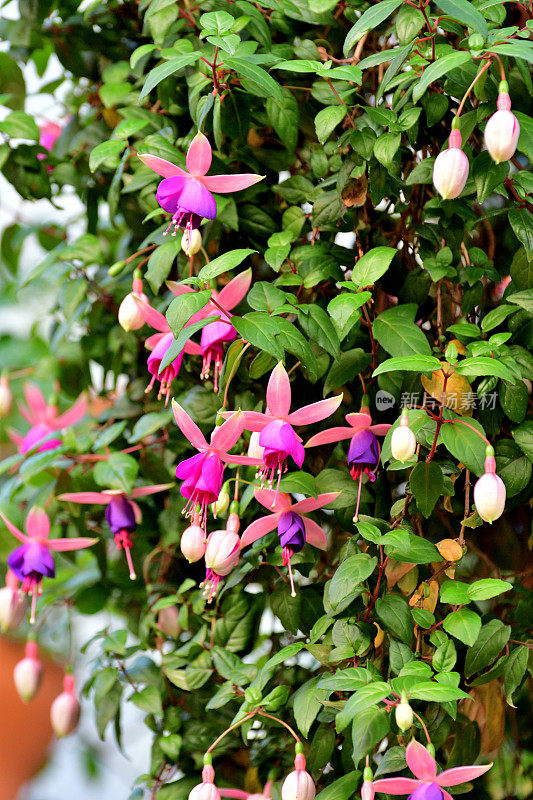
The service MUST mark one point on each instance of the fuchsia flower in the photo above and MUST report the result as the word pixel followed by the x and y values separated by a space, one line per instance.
pixel 65 710
pixel 221 556
pixel 33 560
pixel 426 785
pixel 451 167
pixel 294 529
pixel 502 129
pixel 44 420
pixel 364 450
pixel 215 334
pixel 122 513
pixel 129 314
pixel 298 785
pixel 202 474
pixel 187 194
pixel 28 673
pixel 159 343
pixel 49 132
pixel 489 491
pixel 277 436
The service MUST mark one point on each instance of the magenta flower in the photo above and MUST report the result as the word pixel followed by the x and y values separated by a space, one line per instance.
pixel 221 556
pixel 215 334
pixel 277 436
pixel 426 784
pixel 187 194
pixel 202 474
pixel 49 132
pixel 294 529
pixel 159 344
pixel 34 561
pixel 44 420
pixel 364 450
pixel 122 513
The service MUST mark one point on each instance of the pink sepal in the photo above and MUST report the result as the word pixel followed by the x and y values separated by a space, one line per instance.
pixel 190 429
pixel 454 138
pixel 457 775
pixel 258 528
pixel 278 393
pixel 490 465
pixel 315 412
pixel 420 761
pixel 73 415
pixel 235 291
pixel 230 183
pixel 163 167
pixel 152 317
pixel 14 530
pixel 312 503
pixel 142 491
pixel 86 497
pixel 65 545
pixel 37 524
pixel 396 785
pixel 504 102
pixel 226 435
pixel 198 158
pixel 314 534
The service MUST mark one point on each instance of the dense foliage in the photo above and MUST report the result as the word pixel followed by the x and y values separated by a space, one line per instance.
pixel 353 273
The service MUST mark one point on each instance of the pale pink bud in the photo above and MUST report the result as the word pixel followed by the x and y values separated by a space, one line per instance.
pixel 6 396
pixel 298 785
pixel 193 543
pixel 221 505
pixel 367 790
pixel 404 714
pixel 502 131
pixel 233 524
pixel 489 491
pixel 254 448
pixel 168 622
pixel 222 551
pixel 65 710
pixel 28 673
pixel 13 604
pixel 129 315
pixel 204 791
pixel 403 441
pixel 191 242
pixel 500 287
pixel 450 169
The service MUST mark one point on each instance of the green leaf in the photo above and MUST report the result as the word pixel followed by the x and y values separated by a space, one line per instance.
pixel 408 364
pixel 117 472
pixel 487 588
pixel 306 703
pixel 386 148
pixel 260 330
pixel 465 12
pixel 484 365
pixel 341 789
pixel 344 311
pixel 426 483
pixel 103 151
pixel 404 546
pixel 372 266
pixel 19 125
pixel 230 667
pixel 162 71
pixel 286 608
pixel 12 83
pixel 369 20
pixel 223 263
pixel 455 593
pixel 363 698
pixel 514 671
pixel 327 120
pixel 149 700
pixel 299 483
pixel 517 49
pixel 183 307
pixel 160 264
pixel 149 424
pixel 284 117
pixel 488 175
pixel 395 614
pixel 179 343
pixel 496 316
pixel 436 692
pixel 443 66
pixel 347 578
pixel 491 640
pixel 369 727
pixel 512 466
pixel 397 333
pixel 523 299
pixel 464 444
pixel 523 436
pixel 464 625
pixel 350 363
pixel 318 326
pixel 259 81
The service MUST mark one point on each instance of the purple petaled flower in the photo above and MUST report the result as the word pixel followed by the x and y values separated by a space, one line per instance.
pixel 120 514
pixel 363 454
pixel 167 375
pixel 291 532
pixel 279 441
pixel 427 791
pixel 212 342
pixel 202 476
pixel 187 194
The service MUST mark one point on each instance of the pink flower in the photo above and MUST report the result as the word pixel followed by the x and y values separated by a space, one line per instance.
pixel 13 605
pixel 221 556
pixel 215 334
pixel 33 560
pixel 489 491
pixel 277 435
pixel 502 130
pixel 287 517
pixel 187 194
pixel 192 543
pixel 122 513
pixel 450 169
pixel 364 450
pixel 298 785
pixel 203 474
pixel 424 768
pixel 28 673
pixel 159 344
pixel 129 315
pixel 65 710
pixel 49 132
pixel 44 420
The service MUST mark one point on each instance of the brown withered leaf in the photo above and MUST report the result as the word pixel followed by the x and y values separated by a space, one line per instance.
pixel 487 709
pixel 354 193
pixel 428 602
pixel 458 395
pixel 395 570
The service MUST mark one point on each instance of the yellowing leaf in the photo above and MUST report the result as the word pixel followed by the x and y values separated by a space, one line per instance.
pixel 459 396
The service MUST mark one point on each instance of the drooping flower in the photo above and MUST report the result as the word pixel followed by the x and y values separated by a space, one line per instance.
pixel 159 344
pixel 207 789
pixel 489 491
pixel 45 420
pixel 289 518
pixel 502 129
pixel 191 243
pixel 221 556
pixel 216 334
pixel 403 440
pixel 426 783
pixel 49 132
pixel 450 169
pixel 192 543
pixel 364 449
pixel 129 315
pixel 28 673
pixel 33 560
pixel 203 474
pixel 13 604
pixel 122 513
pixel 404 714
pixel 65 710
pixel 276 434
pixel 298 785
pixel 187 194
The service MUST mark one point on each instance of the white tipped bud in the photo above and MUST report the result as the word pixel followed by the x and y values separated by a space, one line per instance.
pixel 192 543
pixel 403 440
pixel 298 785
pixel 6 396
pixel 129 316
pixel 404 714
pixel 489 491
pixel 191 242
pixel 28 674
pixel 13 604
pixel 450 170
pixel 65 710
pixel 254 448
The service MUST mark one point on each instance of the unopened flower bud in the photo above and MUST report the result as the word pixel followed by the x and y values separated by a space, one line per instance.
pixel 191 242
pixel 502 129
pixel 450 169
pixel 489 491
pixel 234 523
pixel 404 714
pixel 129 315
pixel 13 604
pixel 367 790
pixel 65 710
pixel 168 622
pixel 298 785
pixel 204 791
pixel 6 396
pixel 193 543
pixel 222 551
pixel 221 505
pixel 403 440
pixel 28 673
